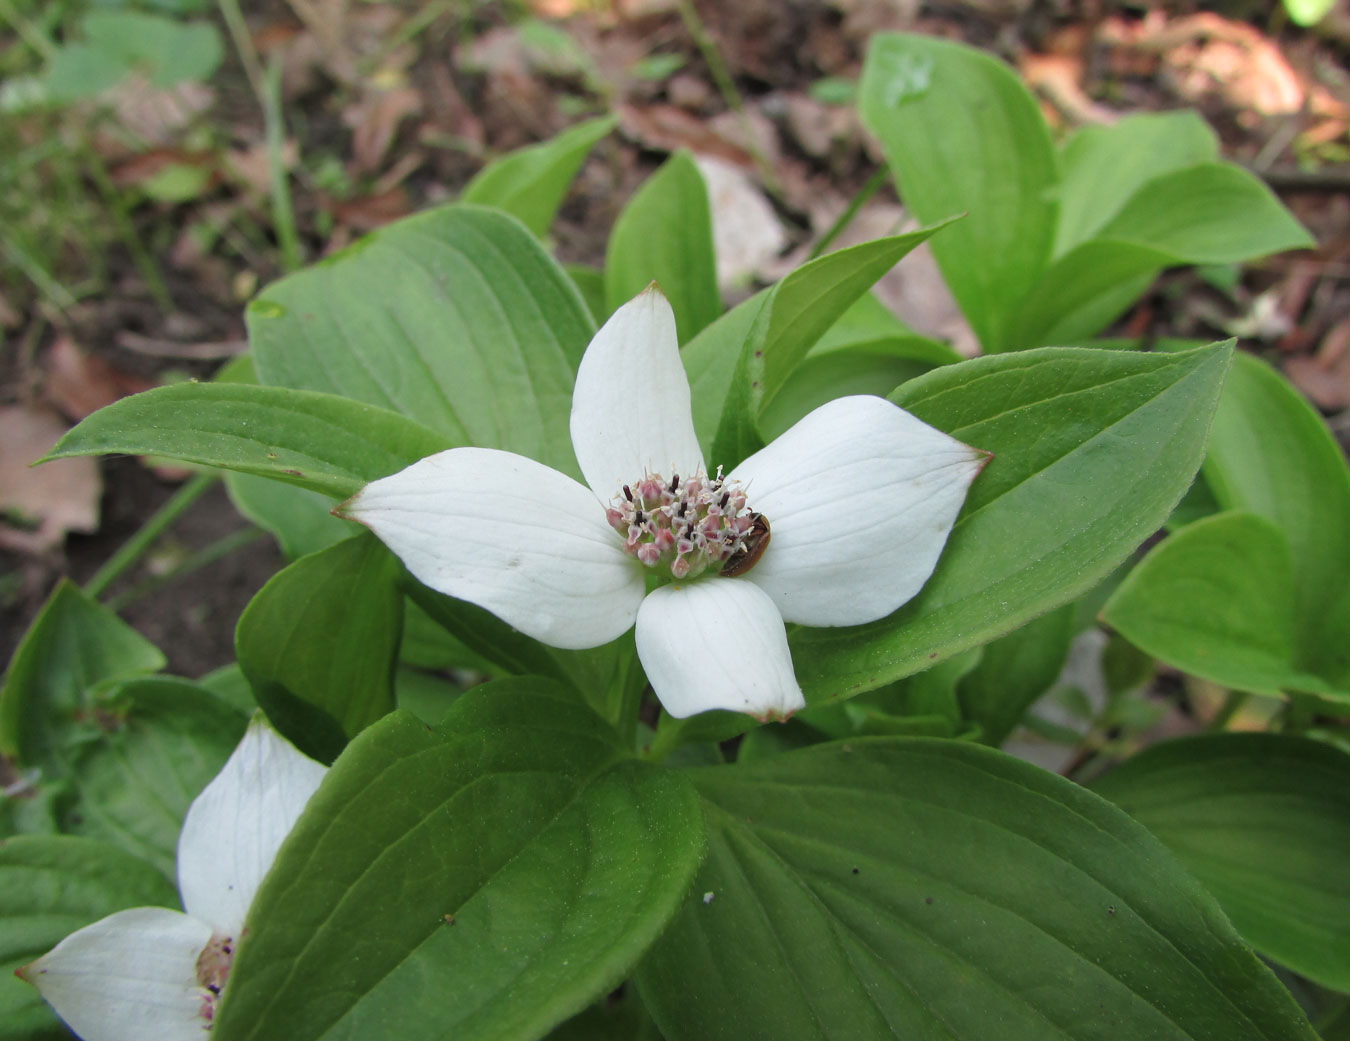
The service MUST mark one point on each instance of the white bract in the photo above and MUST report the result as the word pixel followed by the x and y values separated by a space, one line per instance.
pixel 857 500
pixel 153 974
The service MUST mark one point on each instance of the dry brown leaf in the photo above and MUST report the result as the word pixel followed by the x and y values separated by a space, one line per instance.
pixel 1207 54
pixel 79 383
pixel 1059 78
pixel 375 120
pixel 1325 377
pixel 665 128
pixel 373 211
pixel 158 115
pixel 159 347
pixel 47 500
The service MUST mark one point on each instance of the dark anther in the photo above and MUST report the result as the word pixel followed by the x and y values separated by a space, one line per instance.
pixel 628 493
pixel 674 482
pixel 213 989
pixel 683 506
pixel 726 497
pixel 637 517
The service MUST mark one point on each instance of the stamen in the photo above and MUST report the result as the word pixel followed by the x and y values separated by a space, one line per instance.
pixel 688 524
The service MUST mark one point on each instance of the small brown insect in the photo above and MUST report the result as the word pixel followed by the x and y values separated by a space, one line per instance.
pixel 752 547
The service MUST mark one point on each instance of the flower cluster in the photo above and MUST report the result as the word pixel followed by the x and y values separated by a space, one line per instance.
pixel 684 525
pixel 861 496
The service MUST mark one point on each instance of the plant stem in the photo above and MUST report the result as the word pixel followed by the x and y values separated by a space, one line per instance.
pixel 243 44
pixel 855 204
pixel 135 547
pixel 283 216
pixel 222 547
pixel 28 32
pixel 727 88
pixel 1232 703
pixel 126 228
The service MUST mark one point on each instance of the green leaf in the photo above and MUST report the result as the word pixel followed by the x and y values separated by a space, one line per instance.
pixel 456 319
pixel 906 888
pixel 1187 604
pixel 300 520
pixel 73 645
pixel 319 644
pixel 1203 214
pixel 1092 449
pixel 1211 213
pixel 796 312
pixel 1271 454
pixel 1308 12
pixel 1014 671
pixel 318 441
pixel 1103 166
pixel 159 743
pixel 741 362
pixel 867 351
pixel 170 51
pixel 664 234
pixel 78 71
pixel 50 886
pixel 1263 820
pixel 590 282
pixel 963 135
pixel 483 880
pixel 1082 293
pixel 530 183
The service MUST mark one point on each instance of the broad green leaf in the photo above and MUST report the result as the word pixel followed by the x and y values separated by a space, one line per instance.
pixel 664 234
pixel 230 685
pixel 1203 214
pixel 1263 820
pixel 963 135
pixel 1211 213
pixel 796 312
pixel 300 520
pixel 169 51
pixel 159 742
pixel 1216 599
pixel 483 880
pixel 319 644
pixel 1272 455
pixel 867 351
pixel 618 1017
pixel 456 319
pixel 78 71
pixel 323 442
pixel 74 645
pixel 50 886
pixel 913 888
pixel 530 183
pixel 590 283
pixel 710 361
pixel 1103 166
pixel 1082 293
pixel 596 673
pixel 1092 449
pixel 1014 671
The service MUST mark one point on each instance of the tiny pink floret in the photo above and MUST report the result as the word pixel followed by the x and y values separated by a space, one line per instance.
pixel 688 523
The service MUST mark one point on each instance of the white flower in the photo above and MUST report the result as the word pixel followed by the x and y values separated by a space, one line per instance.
pixel 858 499
pixel 153 974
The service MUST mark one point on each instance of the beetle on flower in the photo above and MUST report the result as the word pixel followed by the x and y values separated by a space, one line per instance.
pixel 838 522
pixel 151 972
